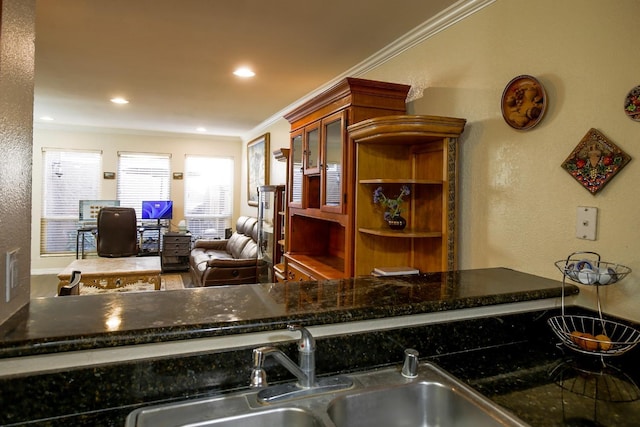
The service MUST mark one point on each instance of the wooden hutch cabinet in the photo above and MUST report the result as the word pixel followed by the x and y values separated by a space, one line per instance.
pixel 321 175
pixel 420 152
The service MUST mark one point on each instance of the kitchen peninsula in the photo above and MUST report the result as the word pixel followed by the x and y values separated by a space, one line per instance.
pixel 52 325
pixel 486 326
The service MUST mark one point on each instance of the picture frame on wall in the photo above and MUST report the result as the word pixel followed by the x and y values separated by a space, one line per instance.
pixel 257 167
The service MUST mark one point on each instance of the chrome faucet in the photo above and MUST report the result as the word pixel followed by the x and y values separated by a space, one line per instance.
pixel 305 371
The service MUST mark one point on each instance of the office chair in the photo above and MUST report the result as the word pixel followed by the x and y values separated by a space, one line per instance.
pixel 117 232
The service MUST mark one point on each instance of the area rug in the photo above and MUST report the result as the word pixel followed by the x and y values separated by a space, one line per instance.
pixel 171 282
pixel 168 282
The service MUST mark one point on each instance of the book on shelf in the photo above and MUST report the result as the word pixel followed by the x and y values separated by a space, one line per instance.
pixel 394 271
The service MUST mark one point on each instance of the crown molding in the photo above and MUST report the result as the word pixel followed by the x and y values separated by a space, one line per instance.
pixel 445 19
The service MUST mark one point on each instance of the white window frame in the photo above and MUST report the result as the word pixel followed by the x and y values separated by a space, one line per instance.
pixel 68 176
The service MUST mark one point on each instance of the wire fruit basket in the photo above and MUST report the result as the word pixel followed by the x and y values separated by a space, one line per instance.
pixel 587 334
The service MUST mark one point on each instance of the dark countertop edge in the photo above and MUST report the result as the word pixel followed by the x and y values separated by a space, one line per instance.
pixel 183 332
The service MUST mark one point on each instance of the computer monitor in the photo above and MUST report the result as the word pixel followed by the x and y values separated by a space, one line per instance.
pixel 157 209
pixel 88 209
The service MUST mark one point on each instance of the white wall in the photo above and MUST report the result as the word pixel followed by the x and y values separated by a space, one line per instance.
pixel 111 143
pixel 517 206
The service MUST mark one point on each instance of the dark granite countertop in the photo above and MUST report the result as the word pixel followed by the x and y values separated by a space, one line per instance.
pixel 49 325
pixel 512 359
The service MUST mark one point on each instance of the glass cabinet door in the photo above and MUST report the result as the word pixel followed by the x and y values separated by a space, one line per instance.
pixel 333 152
pixel 266 237
pixel 297 169
pixel 313 150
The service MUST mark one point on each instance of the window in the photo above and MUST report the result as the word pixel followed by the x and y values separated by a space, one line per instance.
pixel 208 193
pixel 142 176
pixel 67 177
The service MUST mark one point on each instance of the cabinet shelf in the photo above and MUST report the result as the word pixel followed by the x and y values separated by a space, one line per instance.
pixel 402 181
pixel 420 152
pixel 406 233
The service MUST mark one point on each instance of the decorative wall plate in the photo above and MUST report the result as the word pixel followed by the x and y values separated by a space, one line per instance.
pixel 632 104
pixel 524 102
pixel 595 161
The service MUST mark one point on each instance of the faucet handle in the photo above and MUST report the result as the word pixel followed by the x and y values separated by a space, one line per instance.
pixel 306 343
pixel 410 366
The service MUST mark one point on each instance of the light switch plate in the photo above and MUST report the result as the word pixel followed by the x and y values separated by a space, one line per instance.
pixel 586 222
pixel 12 278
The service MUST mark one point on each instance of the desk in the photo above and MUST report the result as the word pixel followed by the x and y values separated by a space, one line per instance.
pixel 93 230
pixel 147 249
pixel 80 235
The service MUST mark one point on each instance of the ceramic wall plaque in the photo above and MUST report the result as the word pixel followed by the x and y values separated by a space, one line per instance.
pixel 524 102
pixel 595 161
pixel 632 104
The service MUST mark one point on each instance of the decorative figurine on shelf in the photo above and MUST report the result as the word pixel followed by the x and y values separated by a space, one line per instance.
pixel 392 207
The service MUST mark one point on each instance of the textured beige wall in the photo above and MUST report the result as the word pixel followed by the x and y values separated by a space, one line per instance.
pixel 279 138
pixel 517 205
pixel 17 22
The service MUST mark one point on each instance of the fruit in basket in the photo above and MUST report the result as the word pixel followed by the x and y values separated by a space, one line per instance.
pixel 604 342
pixel 575 337
pixel 585 340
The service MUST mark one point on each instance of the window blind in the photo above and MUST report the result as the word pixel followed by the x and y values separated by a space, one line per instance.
pixel 68 176
pixel 142 176
pixel 208 190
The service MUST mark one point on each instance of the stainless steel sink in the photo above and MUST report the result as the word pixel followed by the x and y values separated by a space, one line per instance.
pixel 275 417
pixel 418 404
pixel 379 398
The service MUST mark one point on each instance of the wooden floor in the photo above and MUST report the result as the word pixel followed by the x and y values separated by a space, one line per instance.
pixel 46 285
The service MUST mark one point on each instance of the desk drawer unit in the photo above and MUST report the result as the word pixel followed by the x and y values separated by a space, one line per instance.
pixel 175 252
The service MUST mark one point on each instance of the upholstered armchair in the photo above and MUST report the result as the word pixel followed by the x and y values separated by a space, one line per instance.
pixel 228 261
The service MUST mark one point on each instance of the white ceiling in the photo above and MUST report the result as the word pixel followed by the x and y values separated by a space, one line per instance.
pixel 173 59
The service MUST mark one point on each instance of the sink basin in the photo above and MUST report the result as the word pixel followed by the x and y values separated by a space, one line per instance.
pixel 231 411
pixel 418 404
pixel 381 397
pixel 275 417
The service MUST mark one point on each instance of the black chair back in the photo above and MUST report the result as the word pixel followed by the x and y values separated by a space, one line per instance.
pixel 117 232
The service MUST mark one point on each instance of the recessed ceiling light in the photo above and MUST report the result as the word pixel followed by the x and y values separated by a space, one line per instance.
pixel 244 72
pixel 201 129
pixel 46 118
pixel 119 100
